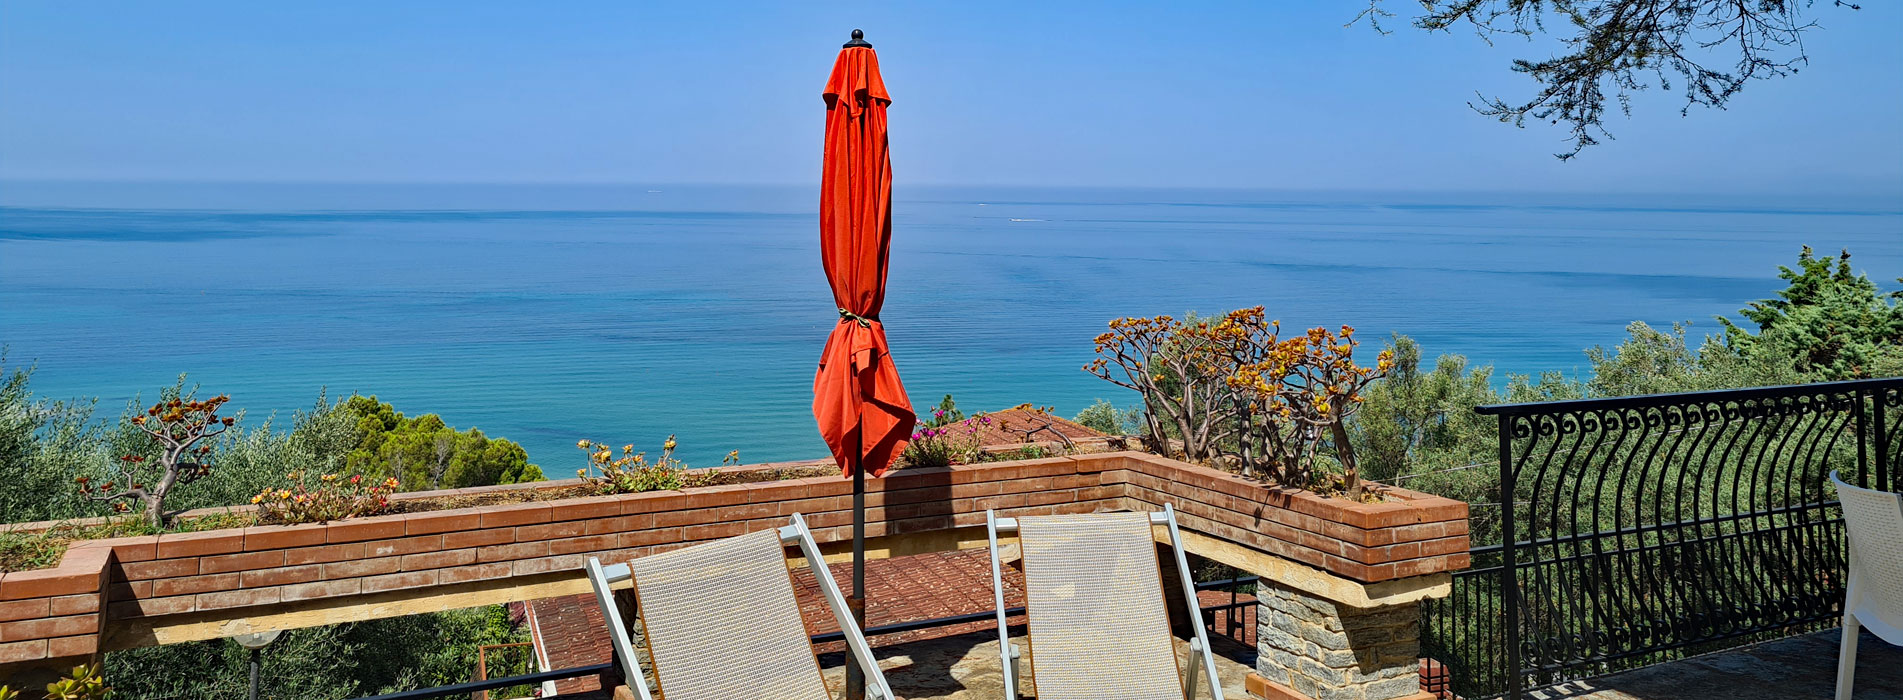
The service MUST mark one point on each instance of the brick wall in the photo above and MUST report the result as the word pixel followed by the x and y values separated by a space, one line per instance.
pixel 57 613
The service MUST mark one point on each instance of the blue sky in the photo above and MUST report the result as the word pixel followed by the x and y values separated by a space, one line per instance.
pixel 1253 95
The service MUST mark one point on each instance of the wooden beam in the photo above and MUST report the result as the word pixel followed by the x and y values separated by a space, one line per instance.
pixel 1316 582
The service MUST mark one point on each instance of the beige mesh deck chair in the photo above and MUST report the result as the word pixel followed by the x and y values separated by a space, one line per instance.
pixel 721 621
pixel 1098 624
pixel 1874 597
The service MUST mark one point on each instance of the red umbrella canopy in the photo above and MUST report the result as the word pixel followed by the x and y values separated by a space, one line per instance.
pixel 857 397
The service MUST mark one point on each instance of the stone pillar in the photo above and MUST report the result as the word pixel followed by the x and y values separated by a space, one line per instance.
pixel 1311 648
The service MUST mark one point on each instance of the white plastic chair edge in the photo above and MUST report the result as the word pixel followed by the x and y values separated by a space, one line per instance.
pixel 1847 646
pixel 603 579
pixel 1201 657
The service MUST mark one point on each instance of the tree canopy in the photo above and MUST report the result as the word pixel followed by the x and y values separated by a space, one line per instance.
pixel 424 453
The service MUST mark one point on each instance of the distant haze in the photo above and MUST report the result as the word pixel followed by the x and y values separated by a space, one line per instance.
pixel 1269 95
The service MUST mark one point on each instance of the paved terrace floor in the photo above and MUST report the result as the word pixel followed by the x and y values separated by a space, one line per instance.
pixel 966 667
pixel 1798 667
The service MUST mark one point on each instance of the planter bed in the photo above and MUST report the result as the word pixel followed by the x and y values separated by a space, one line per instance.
pixel 158 582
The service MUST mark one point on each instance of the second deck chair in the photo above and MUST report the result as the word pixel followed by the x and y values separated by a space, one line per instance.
pixel 1873 521
pixel 722 623
pixel 1094 606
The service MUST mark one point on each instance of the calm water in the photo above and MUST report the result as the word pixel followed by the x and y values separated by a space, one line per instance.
pixel 550 314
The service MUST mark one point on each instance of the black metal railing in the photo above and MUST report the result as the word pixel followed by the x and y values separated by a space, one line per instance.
pixel 1644 529
pixel 1236 586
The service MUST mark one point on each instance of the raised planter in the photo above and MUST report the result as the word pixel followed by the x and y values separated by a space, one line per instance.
pixel 139 591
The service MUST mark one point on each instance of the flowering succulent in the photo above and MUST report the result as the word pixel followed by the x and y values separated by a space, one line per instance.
pixel 325 498
pixel 631 472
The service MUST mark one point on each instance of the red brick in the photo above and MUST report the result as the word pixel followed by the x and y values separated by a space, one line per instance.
pixel 392 582
pixel 567 562
pixel 643 538
pixel 74 605
pixel 448 521
pixel 128 591
pixel 44 628
pixel 240 562
pixel 265 537
pixel 83 645
pixel 650 502
pixel 127 549
pixel 438 560
pixel 623 523
pixel 152 607
pixel 358 530
pixel 549 531
pixel 321 589
pixel 48 583
pixel 197 544
pixel 324 554
pixel 281 576
pixel 585 508
pixel 194 584
pixel 16 652
pixel 407 545
pixel 362 567
pixel 479 572
pixel 594 543
pixel 505 552
pixel 517 514
pixel 478 538
pixel 25 609
pixel 237 599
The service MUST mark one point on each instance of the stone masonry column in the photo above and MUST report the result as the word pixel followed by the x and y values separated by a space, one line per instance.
pixel 1312 648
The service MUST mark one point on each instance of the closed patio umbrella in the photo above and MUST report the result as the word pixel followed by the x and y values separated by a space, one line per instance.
pixel 857 398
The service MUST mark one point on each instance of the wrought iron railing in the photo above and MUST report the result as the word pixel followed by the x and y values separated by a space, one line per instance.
pixel 1644 529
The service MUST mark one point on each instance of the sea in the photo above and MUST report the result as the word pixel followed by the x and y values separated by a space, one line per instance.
pixel 548 314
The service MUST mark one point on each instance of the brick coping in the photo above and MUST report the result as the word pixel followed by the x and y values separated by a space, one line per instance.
pixel 61 612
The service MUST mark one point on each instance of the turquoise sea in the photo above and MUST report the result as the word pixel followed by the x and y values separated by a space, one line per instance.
pixel 548 314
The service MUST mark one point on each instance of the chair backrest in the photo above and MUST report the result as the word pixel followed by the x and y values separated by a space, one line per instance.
pixel 722 622
pixel 1095 610
pixel 1874 521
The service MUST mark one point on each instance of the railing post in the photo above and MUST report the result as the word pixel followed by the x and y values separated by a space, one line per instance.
pixel 1509 583
pixel 1863 427
pixel 1885 480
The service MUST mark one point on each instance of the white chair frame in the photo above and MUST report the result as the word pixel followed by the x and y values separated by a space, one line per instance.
pixel 1861 608
pixel 603 578
pixel 1202 662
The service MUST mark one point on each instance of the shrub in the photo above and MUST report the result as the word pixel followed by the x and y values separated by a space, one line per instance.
pixel 1232 389
pixel 631 472
pixel 175 428
pixel 1829 323
pixel 1104 417
pixel 425 453
pixel 945 445
pixel 331 497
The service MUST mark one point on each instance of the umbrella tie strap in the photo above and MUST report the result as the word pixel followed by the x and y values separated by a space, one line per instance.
pixel 864 321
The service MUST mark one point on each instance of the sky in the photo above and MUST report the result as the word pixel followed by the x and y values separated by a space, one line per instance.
pixel 1242 95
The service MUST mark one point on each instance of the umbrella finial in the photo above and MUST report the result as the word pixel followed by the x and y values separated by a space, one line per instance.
pixel 858 41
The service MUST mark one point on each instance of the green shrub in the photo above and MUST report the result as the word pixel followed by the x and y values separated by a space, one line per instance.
pixel 423 453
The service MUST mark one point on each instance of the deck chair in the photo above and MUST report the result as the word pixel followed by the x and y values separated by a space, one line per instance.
pixel 1874 596
pixel 1098 625
pixel 722 623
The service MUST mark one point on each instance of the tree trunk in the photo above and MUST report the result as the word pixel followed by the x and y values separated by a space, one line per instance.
pixel 1346 453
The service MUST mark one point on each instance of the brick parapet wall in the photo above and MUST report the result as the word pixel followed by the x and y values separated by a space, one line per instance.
pixel 60 612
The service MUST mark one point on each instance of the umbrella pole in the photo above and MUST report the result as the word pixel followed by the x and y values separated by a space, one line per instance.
pixel 855 676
